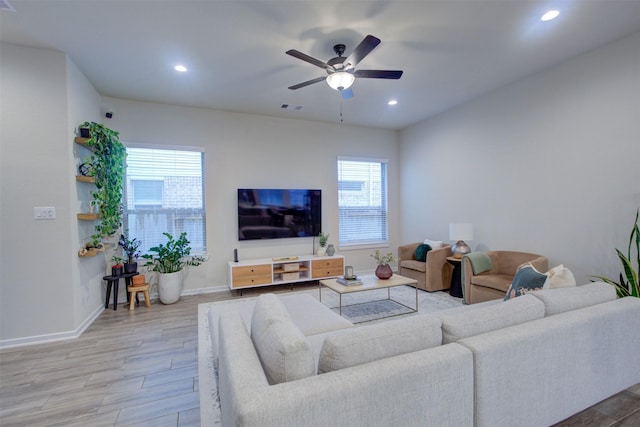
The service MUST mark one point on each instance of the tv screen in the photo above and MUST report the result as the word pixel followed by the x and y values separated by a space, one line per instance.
pixel 275 214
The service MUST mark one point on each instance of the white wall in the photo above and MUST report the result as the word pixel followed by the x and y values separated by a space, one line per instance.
pixel 548 164
pixel 35 260
pixel 255 151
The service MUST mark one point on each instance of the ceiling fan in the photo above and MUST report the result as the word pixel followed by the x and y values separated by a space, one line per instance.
pixel 341 70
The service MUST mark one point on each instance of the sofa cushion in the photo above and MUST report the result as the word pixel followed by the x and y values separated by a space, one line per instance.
pixel 311 316
pixel 491 317
pixel 566 299
pixel 421 252
pixel 356 346
pixel 527 279
pixel 268 310
pixel 283 350
pixel 499 282
pixel 284 353
pixel 412 264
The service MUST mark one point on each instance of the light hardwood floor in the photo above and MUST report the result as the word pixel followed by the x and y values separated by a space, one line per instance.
pixel 139 368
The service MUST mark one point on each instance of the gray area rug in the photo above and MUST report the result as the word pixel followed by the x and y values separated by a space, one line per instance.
pixel 363 308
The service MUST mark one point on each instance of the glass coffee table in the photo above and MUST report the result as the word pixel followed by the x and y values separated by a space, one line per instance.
pixel 370 283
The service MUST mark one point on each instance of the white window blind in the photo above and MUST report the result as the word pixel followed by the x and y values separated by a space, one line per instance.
pixel 362 202
pixel 164 192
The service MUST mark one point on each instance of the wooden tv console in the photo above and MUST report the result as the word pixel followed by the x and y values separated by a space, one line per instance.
pixel 276 271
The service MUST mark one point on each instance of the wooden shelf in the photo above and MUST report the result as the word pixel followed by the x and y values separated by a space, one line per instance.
pixel 82 141
pixel 88 216
pixel 87 179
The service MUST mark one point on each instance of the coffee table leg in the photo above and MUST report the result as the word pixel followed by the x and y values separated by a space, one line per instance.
pixel 340 304
pixel 320 290
pixel 416 298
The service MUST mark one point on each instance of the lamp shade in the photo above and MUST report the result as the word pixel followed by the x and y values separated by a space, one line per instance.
pixel 461 231
pixel 340 80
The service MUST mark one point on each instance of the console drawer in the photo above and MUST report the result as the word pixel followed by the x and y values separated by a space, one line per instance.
pixel 329 267
pixel 251 275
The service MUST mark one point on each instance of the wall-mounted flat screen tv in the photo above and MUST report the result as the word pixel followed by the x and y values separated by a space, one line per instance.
pixel 275 213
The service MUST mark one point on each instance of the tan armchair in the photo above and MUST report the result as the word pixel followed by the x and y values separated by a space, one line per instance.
pixel 494 283
pixel 429 274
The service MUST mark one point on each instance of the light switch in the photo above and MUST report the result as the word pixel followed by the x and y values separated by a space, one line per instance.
pixel 44 213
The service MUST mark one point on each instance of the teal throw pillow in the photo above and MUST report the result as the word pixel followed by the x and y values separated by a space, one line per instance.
pixel 421 252
pixel 527 279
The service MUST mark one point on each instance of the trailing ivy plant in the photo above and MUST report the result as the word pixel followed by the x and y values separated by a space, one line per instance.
pixel 628 284
pixel 108 166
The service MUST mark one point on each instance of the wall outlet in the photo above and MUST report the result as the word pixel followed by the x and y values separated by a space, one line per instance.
pixel 44 213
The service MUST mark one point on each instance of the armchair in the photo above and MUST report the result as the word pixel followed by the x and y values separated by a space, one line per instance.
pixel 494 282
pixel 431 275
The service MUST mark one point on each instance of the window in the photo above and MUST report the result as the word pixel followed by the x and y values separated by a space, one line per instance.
pixel 362 202
pixel 164 192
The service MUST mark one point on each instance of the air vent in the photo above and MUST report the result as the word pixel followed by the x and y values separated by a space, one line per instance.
pixel 5 5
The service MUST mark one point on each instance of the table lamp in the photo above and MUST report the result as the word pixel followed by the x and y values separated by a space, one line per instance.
pixel 460 232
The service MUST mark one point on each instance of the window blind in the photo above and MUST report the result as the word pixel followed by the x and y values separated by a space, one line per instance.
pixel 164 192
pixel 362 202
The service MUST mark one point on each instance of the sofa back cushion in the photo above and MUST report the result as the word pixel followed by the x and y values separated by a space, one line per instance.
pixel 497 316
pixel 566 299
pixel 356 346
pixel 282 349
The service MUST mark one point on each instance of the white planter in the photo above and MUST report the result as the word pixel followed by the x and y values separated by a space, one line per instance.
pixel 169 287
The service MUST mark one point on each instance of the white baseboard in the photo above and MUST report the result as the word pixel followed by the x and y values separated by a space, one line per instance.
pixel 48 338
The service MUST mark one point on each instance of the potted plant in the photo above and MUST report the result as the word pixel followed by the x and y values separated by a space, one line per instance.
pixel 130 247
pixel 107 167
pixel 116 268
pixel 169 260
pixel 383 271
pixel 630 286
pixel 322 241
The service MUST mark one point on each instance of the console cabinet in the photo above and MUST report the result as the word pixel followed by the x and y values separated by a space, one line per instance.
pixel 276 271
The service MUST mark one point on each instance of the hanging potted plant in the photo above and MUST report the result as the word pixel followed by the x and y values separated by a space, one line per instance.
pixel 130 248
pixel 383 271
pixel 170 260
pixel 108 167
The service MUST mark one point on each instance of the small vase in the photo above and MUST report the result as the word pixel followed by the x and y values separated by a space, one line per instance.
pixel 383 271
pixel 330 250
pixel 131 267
pixel 320 251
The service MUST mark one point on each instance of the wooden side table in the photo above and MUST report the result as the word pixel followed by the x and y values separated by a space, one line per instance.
pixel 113 282
pixel 456 277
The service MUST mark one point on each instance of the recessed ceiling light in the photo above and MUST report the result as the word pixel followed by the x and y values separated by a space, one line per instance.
pixel 392 102
pixel 552 14
pixel 180 68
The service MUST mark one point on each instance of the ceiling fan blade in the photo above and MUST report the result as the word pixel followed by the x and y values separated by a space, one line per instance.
pixel 346 93
pixel 307 83
pixel 378 74
pixel 309 59
pixel 363 49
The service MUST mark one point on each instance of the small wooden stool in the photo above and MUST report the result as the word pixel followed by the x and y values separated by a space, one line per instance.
pixel 133 291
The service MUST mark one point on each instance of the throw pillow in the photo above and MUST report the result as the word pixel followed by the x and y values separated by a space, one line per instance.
pixel 284 353
pixel 268 310
pixel 421 252
pixel 435 244
pixel 527 279
pixel 559 277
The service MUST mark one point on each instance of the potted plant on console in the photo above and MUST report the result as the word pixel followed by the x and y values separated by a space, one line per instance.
pixel 169 260
pixel 130 247
pixel 383 271
pixel 323 238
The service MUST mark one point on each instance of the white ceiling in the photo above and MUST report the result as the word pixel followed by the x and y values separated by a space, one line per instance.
pixel 450 51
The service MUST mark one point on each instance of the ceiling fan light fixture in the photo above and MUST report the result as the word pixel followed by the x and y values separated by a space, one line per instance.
pixel 340 80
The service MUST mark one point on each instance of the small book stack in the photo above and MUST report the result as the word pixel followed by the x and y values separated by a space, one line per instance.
pixel 349 282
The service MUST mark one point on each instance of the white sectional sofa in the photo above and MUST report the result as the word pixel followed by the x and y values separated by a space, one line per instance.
pixel 531 361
